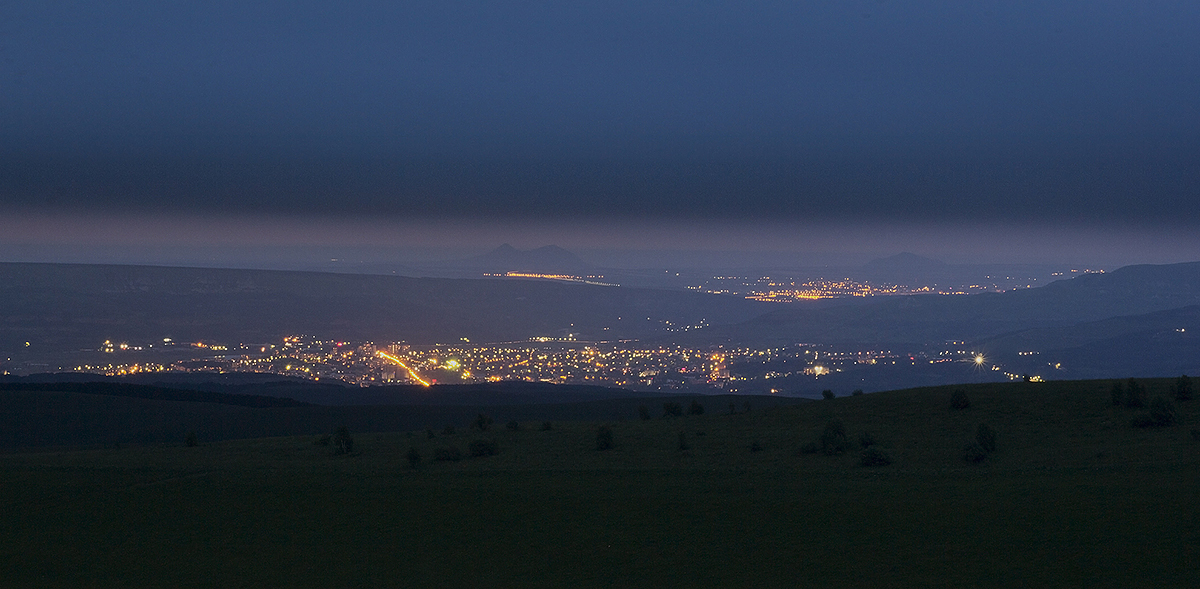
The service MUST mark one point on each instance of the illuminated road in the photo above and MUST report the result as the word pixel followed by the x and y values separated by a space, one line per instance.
pixel 412 373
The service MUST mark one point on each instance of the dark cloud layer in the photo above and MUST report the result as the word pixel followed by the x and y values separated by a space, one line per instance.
pixel 1059 111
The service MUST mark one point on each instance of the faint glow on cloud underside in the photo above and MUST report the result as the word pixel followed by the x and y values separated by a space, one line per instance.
pixel 955 243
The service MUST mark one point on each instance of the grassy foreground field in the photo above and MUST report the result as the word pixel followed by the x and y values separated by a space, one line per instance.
pixel 1073 495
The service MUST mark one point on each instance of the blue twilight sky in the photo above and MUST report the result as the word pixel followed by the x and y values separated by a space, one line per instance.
pixel 864 117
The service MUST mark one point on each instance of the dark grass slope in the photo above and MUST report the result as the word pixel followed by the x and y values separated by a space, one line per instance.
pixel 156 393
pixel 74 414
pixel 1072 496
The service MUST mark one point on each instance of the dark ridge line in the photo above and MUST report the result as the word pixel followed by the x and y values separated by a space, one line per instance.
pixel 138 391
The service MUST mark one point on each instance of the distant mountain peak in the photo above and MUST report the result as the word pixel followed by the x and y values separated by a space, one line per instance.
pixel 905 260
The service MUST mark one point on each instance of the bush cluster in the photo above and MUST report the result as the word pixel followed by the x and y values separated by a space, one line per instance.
pixel 1162 413
pixel 984 444
pixel 479 448
pixel 672 409
pixel 447 454
pixel 696 408
pixel 827 394
pixel 1183 388
pixel 482 423
pixel 873 456
pixel 342 442
pixel 833 439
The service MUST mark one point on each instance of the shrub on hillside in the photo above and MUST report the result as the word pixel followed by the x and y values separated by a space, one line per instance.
pixel 856 392
pixel 986 438
pixel 643 413
pixel 672 409
pixel 695 408
pixel 414 457
pixel 1161 414
pixel 482 422
pixel 973 452
pixel 604 438
pixel 1135 395
pixel 874 457
pixel 959 400
pixel 866 440
pixel 827 394
pixel 1118 394
pixel 1183 388
pixel 447 454
pixel 342 442
pixel 479 448
pixel 833 439
pixel 513 426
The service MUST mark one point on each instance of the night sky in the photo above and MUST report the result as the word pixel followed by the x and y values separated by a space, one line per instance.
pixel 1008 130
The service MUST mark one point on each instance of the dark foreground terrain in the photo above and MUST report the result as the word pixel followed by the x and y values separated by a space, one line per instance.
pixel 1073 495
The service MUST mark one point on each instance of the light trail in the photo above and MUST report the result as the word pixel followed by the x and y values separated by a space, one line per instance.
pixel 411 372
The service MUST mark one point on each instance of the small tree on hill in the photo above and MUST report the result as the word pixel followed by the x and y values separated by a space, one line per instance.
pixel 986 438
pixel 604 438
pixel 973 452
pixel 1135 395
pixel 479 448
pixel 827 394
pixel 695 408
pixel 672 409
pixel 447 454
pixel 342 442
pixel 1183 388
pixel 856 392
pixel 833 439
pixel 482 422
pixel 959 400
pixel 1118 394
pixel 874 456
pixel 1162 412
